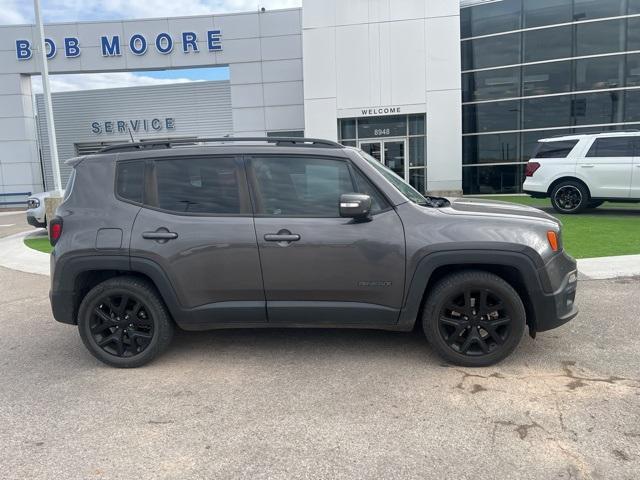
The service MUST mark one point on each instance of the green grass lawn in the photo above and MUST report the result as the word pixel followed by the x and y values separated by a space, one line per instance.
pixel 39 243
pixel 611 229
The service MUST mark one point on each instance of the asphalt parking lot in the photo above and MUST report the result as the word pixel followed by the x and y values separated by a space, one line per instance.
pixel 320 404
pixel 12 222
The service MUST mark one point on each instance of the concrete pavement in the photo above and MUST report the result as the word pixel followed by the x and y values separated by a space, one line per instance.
pixel 285 404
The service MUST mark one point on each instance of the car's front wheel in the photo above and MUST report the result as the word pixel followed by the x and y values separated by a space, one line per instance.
pixel 124 323
pixel 569 196
pixel 473 318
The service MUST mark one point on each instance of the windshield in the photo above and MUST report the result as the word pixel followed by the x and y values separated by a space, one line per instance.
pixel 404 188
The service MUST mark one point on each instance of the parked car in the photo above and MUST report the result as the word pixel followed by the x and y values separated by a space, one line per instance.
pixel 583 171
pixel 36 215
pixel 294 233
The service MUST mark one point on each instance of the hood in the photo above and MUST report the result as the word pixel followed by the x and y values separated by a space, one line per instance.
pixel 494 208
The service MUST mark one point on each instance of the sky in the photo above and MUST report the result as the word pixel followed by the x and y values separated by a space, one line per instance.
pixel 21 11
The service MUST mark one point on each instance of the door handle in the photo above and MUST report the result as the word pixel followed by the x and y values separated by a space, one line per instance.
pixel 160 234
pixel 282 237
pixel 587 165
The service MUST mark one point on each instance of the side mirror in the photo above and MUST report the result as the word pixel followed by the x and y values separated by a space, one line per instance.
pixel 355 205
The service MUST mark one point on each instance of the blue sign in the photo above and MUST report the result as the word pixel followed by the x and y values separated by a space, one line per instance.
pixel 138 44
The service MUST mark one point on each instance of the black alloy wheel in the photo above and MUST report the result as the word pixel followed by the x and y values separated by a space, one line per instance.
pixel 124 323
pixel 570 197
pixel 474 322
pixel 121 325
pixel 473 318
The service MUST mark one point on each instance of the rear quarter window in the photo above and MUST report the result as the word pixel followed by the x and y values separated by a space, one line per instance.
pixel 612 147
pixel 130 181
pixel 556 149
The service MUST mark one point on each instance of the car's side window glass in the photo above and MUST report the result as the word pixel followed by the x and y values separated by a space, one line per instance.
pixel 208 185
pixel 378 202
pixel 300 186
pixel 612 147
pixel 130 180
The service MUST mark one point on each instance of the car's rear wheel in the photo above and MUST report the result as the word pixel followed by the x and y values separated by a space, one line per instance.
pixel 473 318
pixel 569 196
pixel 124 323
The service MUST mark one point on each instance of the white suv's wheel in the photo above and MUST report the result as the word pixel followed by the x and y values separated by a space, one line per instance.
pixel 569 196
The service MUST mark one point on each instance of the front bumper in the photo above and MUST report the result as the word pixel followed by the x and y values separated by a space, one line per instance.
pixel 554 304
pixel 34 222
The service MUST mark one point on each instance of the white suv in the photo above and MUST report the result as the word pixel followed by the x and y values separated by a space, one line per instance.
pixel 583 171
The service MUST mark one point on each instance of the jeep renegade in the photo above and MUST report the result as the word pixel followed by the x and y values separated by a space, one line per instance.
pixel 290 232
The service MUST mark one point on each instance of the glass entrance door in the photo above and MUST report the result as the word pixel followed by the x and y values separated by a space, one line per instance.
pixel 391 153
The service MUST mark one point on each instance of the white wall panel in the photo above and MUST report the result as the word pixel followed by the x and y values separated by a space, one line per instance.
pixel 282 70
pixel 281 48
pixel 353 66
pixel 352 11
pixel 247 95
pixel 283 93
pixel 246 119
pixel 238 26
pixel 442 8
pixel 280 23
pixel 245 73
pixel 444 140
pixel 289 117
pixel 319 13
pixel 407 61
pixel 443 53
pixel 408 9
pixel 379 10
pixel 320 118
pixel 319 63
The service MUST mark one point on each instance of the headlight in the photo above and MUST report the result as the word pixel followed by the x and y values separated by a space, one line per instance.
pixel 33 203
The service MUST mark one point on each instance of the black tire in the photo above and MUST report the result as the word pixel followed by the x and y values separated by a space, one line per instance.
pixel 569 196
pixel 115 308
pixel 595 203
pixel 489 337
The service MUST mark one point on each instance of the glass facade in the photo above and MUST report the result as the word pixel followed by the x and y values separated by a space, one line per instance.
pixel 398 141
pixel 539 68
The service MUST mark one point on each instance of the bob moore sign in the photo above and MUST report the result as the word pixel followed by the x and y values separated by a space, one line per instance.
pixel 113 45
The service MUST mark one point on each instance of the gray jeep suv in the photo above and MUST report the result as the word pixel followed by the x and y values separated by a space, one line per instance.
pixel 290 232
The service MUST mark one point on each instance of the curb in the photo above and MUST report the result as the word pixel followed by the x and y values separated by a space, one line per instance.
pixel 14 254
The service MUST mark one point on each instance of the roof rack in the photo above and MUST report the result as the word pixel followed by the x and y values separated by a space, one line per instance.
pixel 151 144
pixel 602 132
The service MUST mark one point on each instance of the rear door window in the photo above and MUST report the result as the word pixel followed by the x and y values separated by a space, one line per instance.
pixel 555 149
pixel 130 181
pixel 207 185
pixel 612 147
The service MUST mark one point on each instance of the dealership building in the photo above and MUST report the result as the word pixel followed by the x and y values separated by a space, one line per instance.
pixel 450 96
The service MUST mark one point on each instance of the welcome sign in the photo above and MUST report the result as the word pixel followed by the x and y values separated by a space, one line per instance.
pixel 137 43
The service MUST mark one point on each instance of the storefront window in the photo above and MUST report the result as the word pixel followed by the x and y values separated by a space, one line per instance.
pixel 375 127
pixel 417 157
pixel 589 9
pixel 491 51
pixel 547 44
pixel 491 84
pixel 491 117
pixel 498 148
pixel 599 72
pixel 600 37
pixel 348 128
pixel 546 112
pixel 633 71
pixel 490 18
pixel 492 179
pixel 546 12
pixel 416 125
pixel 546 78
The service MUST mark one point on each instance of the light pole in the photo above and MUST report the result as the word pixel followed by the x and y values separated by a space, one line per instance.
pixel 48 109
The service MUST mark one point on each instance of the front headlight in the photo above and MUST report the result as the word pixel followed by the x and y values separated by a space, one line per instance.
pixel 33 203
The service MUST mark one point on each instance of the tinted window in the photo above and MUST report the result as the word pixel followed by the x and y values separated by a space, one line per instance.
pixel 559 149
pixel 587 9
pixel 633 70
pixel 490 18
pixel 632 106
pixel 599 73
pixel 300 186
pixel 612 147
pixel 600 37
pixel 530 140
pixel 198 185
pixel 392 126
pixel 547 112
pixel 130 181
pixel 596 108
pixel 493 179
pixel 491 84
pixel 546 12
pixel 546 78
pixel 499 148
pixel 547 44
pixel 491 51
pixel 491 117
pixel 633 33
